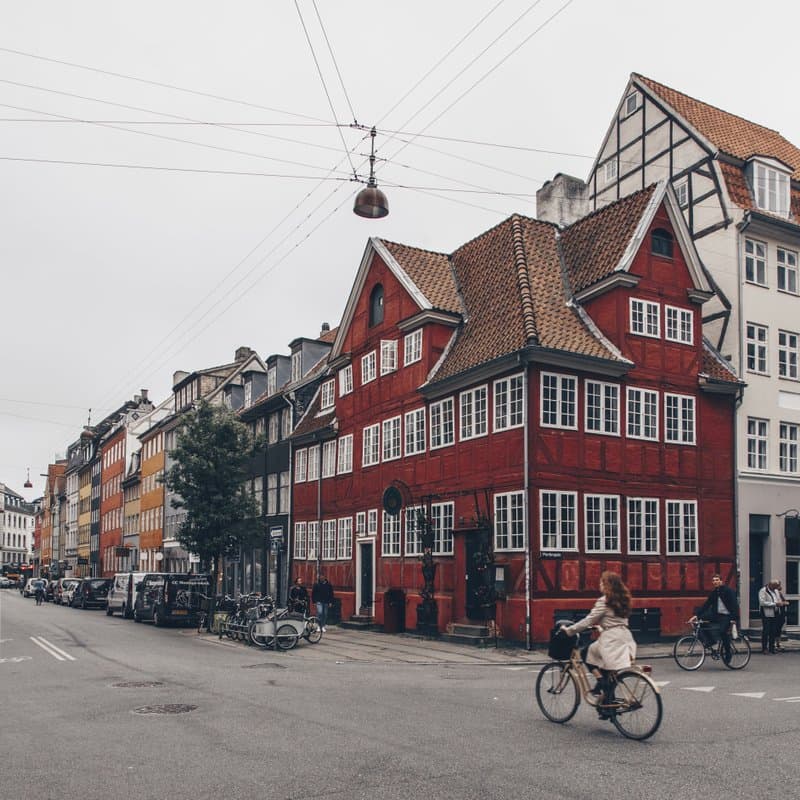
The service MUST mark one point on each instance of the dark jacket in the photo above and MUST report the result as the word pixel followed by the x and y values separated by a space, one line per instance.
pixel 298 595
pixel 322 592
pixel 729 600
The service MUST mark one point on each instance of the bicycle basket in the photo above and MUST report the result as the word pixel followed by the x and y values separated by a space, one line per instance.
pixel 560 647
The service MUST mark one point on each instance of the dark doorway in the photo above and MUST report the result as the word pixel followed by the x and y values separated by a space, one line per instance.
pixel 366 579
pixel 759 531
pixel 480 598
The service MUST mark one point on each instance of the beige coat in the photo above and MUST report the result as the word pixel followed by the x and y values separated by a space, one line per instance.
pixel 615 649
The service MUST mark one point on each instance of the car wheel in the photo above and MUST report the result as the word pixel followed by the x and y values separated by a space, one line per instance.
pixel 158 618
pixel 83 604
pixel 137 617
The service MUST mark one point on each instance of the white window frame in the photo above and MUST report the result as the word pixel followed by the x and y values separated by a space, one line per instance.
pixel 286 423
pixel 757 444
pixel 272 494
pixel 644 533
pixel 300 465
pixel 605 526
pixel 631 104
pixel 297 365
pixel 327 395
pixel 414 438
pixel 788 355
pixel 755 262
pixel 509 521
pixel 680 419
pixel 678 325
pixel 681 188
pixel 757 348
pixel 300 542
pixel 682 532
pixel 372 522
pixel 555 411
pixel 371 445
pixel 392 439
pixel 272 380
pixel 473 417
pixel 442 424
pixel 368 368
pixel 646 418
pixel 313 462
pixel 442 522
pixel 345 459
pixel 508 402
pixel 345 380
pixel 788 278
pixel 771 189
pixel 329 458
pixel 388 356
pixel 607 417
pixel 248 394
pixel 789 436
pixel 610 169
pixel 645 318
pixel 329 540
pixel 390 536
pixel 313 540
pixel 361 523
pixel 344 541
pixel 413 534
pixel 412 347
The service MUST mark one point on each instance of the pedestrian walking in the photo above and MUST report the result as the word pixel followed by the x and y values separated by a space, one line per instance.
pixel 768 606
pixel 322 597
pixel 39 592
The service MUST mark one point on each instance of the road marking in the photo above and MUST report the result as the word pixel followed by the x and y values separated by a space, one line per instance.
pixel 14 660
pixel 51 649
pixel 3 641
pixel 661 684
pixel 787 699
pixel 757 695
pixel 698 688
pixel 514 669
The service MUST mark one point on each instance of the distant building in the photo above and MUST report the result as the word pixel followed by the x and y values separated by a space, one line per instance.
pixel 16 527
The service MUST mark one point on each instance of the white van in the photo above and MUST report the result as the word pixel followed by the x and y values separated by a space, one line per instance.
pixel 122 593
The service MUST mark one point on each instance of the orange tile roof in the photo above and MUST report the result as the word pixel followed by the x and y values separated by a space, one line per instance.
pixel 430 272
pixel 715 367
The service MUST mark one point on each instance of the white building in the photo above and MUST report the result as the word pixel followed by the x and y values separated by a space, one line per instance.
pixel 16 527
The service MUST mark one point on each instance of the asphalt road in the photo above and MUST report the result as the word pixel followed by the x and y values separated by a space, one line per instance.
pixel 357 716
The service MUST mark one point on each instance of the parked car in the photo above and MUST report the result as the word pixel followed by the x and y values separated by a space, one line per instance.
pixel 31 586
pixel 58 592
pixel 172 597
pixel 6 583
pixel 50 590
pixel 92 593
pixel 122 594
pixel 69 589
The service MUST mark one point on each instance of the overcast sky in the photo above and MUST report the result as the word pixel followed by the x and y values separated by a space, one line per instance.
pixel 135 242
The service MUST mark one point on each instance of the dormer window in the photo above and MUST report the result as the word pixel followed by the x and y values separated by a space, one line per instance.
pixel 770 187
pixel 376 306
pixel 327 394
pixel 661 243
pixel 272 380
pixel 631 103
pixel 297 363
pixel 248 393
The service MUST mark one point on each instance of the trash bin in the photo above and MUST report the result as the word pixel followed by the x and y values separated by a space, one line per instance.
pixel 394 611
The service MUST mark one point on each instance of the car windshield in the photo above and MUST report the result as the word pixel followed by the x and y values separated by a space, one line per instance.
pixel 97 584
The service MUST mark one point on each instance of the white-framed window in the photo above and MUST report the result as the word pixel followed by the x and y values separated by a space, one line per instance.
pixel 643 515
pixel 559 401
pixel 272 493
pixel 509 521
pixel 679 418
pixel 631 103
pixel 368 367
pixel 415 431
pixel 345 380
pixel 602 408
pixel 258 494
pixel 411 515
pixel 361 523
pixel 272 380
pixel 682 527
pixel 474 413
pixel 787 447
pixel 248 394
pixel 329 459
pixel 283 492
pixel 757 443
pixel 509 402
pixel 642 414
pixel 274 427
pixel 645 318
pixel 787 271
pixel 313 540
pixel 442 423
pixel 602 523
pixel 345 463
pixel 390 540
pixel 442 520
pixel 610 169
pixel 297 365
pixel 788 351
pixel 327 394
pixel 328 539
pixel 344 544
pixel 412 347
pixel 757 349
pixel 286 423
pixel 679 324
pixel 391 439
pixel 681 188
pixel 300 465
pixel 372 522
pixel 388 356
pixel 771 189
pixel 300 540
pixel 313 462
pixel 755 262
pixel 371 445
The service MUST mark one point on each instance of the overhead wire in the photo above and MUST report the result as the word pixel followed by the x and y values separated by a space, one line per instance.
pixel 333 58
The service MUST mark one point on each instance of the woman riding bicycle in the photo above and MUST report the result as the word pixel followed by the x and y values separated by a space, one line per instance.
pixel 615 648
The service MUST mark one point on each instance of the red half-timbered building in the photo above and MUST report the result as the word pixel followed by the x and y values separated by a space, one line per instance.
pixel 546 397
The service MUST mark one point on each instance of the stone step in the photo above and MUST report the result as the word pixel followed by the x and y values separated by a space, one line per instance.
pixel 360 623
pixel 467 629
pixel 475 641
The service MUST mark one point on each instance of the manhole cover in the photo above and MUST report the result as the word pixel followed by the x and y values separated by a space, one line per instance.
pixel 136 684
pixel 264 664
pixel 168 708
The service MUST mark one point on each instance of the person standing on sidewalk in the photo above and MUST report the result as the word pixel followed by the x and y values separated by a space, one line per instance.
pixel 781 609
pixel 768 606
pixel 322 597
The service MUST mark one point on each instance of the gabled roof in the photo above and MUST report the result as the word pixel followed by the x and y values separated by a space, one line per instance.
pixel 715 368
pixel 314 419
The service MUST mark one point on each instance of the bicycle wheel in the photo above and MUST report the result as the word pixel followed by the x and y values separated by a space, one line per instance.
pixel 740 653
pixel 556 692
pixel 636 706
pixel 689 653
pixel 286 637
pixel 313 630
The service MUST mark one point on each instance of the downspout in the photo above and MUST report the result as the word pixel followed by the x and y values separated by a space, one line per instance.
pixel 527 486
pixel 289 526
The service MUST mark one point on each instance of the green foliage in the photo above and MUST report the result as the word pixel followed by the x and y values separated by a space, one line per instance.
pixel 209 476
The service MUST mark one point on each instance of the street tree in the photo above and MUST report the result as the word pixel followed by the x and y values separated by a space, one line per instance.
pixel 209 476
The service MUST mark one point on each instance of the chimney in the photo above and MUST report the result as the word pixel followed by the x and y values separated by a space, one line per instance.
pixel 144 395
pixel 242 354
pixel 563 200
pixel 137 398
pixel 326 328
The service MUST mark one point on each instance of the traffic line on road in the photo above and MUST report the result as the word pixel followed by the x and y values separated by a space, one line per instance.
pixel 787 699
pixel 757 695
pixel 698 688
pixel 51 649
pixel 14 659
pixel 661 684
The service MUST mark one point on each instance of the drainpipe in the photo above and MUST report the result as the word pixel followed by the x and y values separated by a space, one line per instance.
pixel 528 643
pixel 736 527
pixel 289 527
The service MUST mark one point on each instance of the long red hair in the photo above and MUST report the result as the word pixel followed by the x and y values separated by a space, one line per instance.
pixel 618 596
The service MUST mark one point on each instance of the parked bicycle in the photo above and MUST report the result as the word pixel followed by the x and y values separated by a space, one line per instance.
pixel 690 651
pixel 284 629
pixel 242 611
pixel 632 701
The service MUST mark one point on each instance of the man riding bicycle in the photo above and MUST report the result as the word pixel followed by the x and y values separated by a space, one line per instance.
pixel 720 610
